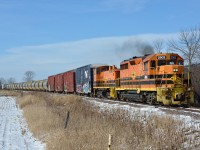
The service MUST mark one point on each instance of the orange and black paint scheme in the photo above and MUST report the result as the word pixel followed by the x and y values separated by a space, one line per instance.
pixel 105 81
pixel 154 78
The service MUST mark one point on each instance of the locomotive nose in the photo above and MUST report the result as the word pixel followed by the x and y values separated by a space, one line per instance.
pixel 171 69
pixel 177 69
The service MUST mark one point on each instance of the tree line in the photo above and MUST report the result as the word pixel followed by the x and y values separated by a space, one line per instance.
pixel 28 76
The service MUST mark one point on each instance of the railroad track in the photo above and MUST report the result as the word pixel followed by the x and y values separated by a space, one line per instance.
pixel 191 110
pixel 194 110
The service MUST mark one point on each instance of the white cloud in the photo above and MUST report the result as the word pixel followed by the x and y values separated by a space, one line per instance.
pixel 54 58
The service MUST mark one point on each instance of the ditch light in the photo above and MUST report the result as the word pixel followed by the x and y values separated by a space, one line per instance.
pixel 175 69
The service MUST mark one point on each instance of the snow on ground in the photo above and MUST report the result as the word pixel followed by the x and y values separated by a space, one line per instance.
pixel 14 134
pixel 132 110
pixel 190 120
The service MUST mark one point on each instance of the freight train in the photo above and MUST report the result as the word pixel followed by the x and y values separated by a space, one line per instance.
pixel 152 78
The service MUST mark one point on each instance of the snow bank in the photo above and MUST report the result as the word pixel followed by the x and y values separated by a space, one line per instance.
pixel 14 133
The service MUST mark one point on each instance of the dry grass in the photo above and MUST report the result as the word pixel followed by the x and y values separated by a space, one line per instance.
pixel 88 129
pixel 9 93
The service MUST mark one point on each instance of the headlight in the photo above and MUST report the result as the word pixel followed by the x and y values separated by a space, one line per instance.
pixel 175 69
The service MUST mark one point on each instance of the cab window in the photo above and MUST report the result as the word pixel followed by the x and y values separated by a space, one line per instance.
pixel 132 62
pixel 124 66
pixel 98 70
pixel 105 69
pixel 153 64
pixel 161 62
pixel 146 66
pixel 171 62
pixel 180 62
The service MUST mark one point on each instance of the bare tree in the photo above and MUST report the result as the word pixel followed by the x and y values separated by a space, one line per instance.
pixel 28 76
pixel 188 44
pixel 2 81
pixel 11 80
pixel 195 79
pixel 158 45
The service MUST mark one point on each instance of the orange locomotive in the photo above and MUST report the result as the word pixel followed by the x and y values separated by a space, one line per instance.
pixel 155 78
pixel 105 81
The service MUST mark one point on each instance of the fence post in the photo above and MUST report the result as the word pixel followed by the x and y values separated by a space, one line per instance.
pixel 66 120
pixel 109 141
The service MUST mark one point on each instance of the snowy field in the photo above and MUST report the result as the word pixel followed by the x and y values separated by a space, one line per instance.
pixel 14 134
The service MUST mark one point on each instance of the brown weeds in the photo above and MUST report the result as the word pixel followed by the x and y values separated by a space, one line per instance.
pixel 9 93
pixel 88 129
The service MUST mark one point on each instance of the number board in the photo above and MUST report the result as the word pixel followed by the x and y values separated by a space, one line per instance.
pixel 161 57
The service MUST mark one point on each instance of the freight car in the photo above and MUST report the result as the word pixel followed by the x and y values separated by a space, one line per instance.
pixel 62 83
pixel 69 82
pixel 85 79
pixel 154 78
pixel 40 85
pixel 51 83
pixel 59 83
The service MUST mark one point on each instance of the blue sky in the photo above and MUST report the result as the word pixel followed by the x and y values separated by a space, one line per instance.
pixel 48 36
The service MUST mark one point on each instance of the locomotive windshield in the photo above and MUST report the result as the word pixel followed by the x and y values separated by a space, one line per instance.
pixel 180 62
pixel 171 62
pixel 161 62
